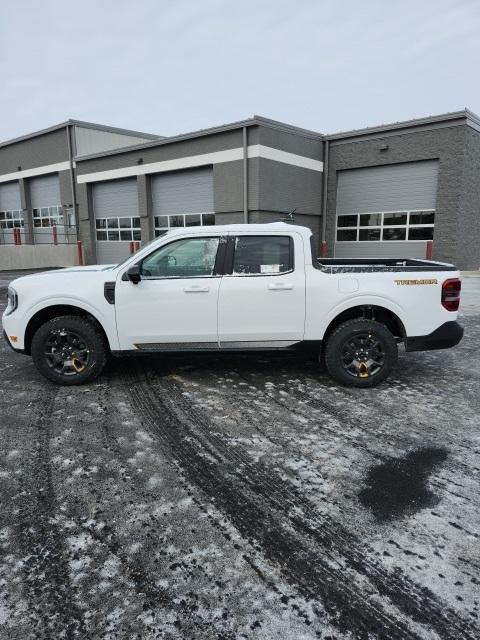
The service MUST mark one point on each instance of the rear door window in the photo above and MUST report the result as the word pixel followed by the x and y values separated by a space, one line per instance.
pixel 262 255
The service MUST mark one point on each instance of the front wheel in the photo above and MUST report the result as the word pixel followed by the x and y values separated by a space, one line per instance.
pixel 361 353
pixel 69 350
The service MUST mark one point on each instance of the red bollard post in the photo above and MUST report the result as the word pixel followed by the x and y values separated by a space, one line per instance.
pixel 19 237
pixel 323 250
pixel 81 261
pixel 136 245
pixel 55 234
pixel 429 250
pixel 131 248
pixel 15 237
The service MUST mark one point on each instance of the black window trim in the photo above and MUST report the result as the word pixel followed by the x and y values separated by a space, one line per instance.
pixel 230 255
pixel 218 268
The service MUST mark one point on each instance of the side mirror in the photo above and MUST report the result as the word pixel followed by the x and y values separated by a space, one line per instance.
pixel 134 274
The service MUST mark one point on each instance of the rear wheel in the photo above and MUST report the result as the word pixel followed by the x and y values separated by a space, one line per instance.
pixel 69 350
pixel 361 353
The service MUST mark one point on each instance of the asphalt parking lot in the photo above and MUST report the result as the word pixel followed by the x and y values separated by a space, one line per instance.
pixel 242 497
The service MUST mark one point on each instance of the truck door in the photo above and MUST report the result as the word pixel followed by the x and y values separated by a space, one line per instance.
pixel 176 298
pixel 262 294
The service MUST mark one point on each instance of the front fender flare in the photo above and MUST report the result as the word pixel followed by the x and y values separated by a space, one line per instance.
pixel 108 324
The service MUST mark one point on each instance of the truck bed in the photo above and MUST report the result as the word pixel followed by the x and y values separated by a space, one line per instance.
pixel 372 265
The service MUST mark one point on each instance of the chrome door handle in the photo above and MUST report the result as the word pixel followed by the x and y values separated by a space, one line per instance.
pixel 280 286
pixel 196 288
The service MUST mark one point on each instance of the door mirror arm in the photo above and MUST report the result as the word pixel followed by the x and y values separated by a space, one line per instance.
pixel 134 274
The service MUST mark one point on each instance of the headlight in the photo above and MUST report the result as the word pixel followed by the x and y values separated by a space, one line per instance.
pixel 12 301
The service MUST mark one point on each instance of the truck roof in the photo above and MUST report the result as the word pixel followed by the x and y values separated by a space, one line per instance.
pixel 235 228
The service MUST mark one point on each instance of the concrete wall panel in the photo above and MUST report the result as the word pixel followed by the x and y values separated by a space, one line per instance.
pixel 468 222
pixel 291 142
pixel 89 141
pixel 194 146
pixel 284 187
pixel 66 197
pixel 37 256
pixel 46 149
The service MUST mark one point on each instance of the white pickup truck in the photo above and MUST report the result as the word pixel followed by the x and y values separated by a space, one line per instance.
pixel 234 288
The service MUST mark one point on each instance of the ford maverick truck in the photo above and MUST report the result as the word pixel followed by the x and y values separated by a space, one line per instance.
pixel 234 288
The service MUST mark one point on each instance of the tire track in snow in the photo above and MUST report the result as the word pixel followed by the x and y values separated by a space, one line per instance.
pixel 141 576
pixel 46 580
pixel 323 560
pixel 343 416
pixel 403 442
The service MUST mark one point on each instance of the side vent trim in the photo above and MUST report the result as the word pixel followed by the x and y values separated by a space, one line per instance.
pixel 109 292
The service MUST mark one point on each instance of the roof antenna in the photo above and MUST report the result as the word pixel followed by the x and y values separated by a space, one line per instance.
pixel 290 217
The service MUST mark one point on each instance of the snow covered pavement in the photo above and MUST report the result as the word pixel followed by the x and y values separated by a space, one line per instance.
pixel 201 497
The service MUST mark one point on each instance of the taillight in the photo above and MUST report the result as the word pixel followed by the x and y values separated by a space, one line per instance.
pixel 451 294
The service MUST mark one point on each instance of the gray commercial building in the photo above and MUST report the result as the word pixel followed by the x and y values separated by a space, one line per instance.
pixel 378 192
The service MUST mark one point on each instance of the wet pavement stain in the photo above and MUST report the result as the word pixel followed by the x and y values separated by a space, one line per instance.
pixel 398 487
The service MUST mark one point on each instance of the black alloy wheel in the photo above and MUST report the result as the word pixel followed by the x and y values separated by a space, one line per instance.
pixel 361 353
pixel 70 350
pixel 66 353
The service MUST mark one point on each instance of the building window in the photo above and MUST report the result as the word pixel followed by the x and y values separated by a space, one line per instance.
pixel 11 219
pixel 48 216
pixel 386 226
pixel 367 235
pixel 118 229
pixel 164 223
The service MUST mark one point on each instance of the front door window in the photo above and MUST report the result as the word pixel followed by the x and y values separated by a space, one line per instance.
pixel 186 258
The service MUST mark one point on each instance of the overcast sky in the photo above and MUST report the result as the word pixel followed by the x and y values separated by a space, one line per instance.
pixel 172 66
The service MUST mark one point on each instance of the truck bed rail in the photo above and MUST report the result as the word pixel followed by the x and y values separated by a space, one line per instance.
pixel 374 265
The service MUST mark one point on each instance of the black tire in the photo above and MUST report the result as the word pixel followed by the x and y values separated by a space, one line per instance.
pixel 72 340
pixel 360 353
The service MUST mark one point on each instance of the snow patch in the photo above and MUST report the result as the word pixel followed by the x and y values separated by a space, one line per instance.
pixel 154 481
pixel 80 541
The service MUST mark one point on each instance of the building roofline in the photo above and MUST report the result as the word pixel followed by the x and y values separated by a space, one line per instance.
pixel 473 120
pixel 79 123
pixel 277 124
pixel 465 115
pixel 121 130
pixel 34 134
pixel 249 122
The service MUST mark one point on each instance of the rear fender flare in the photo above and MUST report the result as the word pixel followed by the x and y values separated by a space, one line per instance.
pixel 360 301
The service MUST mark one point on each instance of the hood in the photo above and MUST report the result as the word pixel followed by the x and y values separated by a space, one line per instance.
pixel 90 267
pixel 52 274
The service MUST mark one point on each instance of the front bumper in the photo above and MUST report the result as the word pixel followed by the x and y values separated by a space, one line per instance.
pixel 447 335
pixel 5 337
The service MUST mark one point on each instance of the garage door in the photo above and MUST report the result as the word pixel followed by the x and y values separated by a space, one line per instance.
pixel 47 210
pixel 182 198
pixel 386 212
pixel 11 214
pixel 115 206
